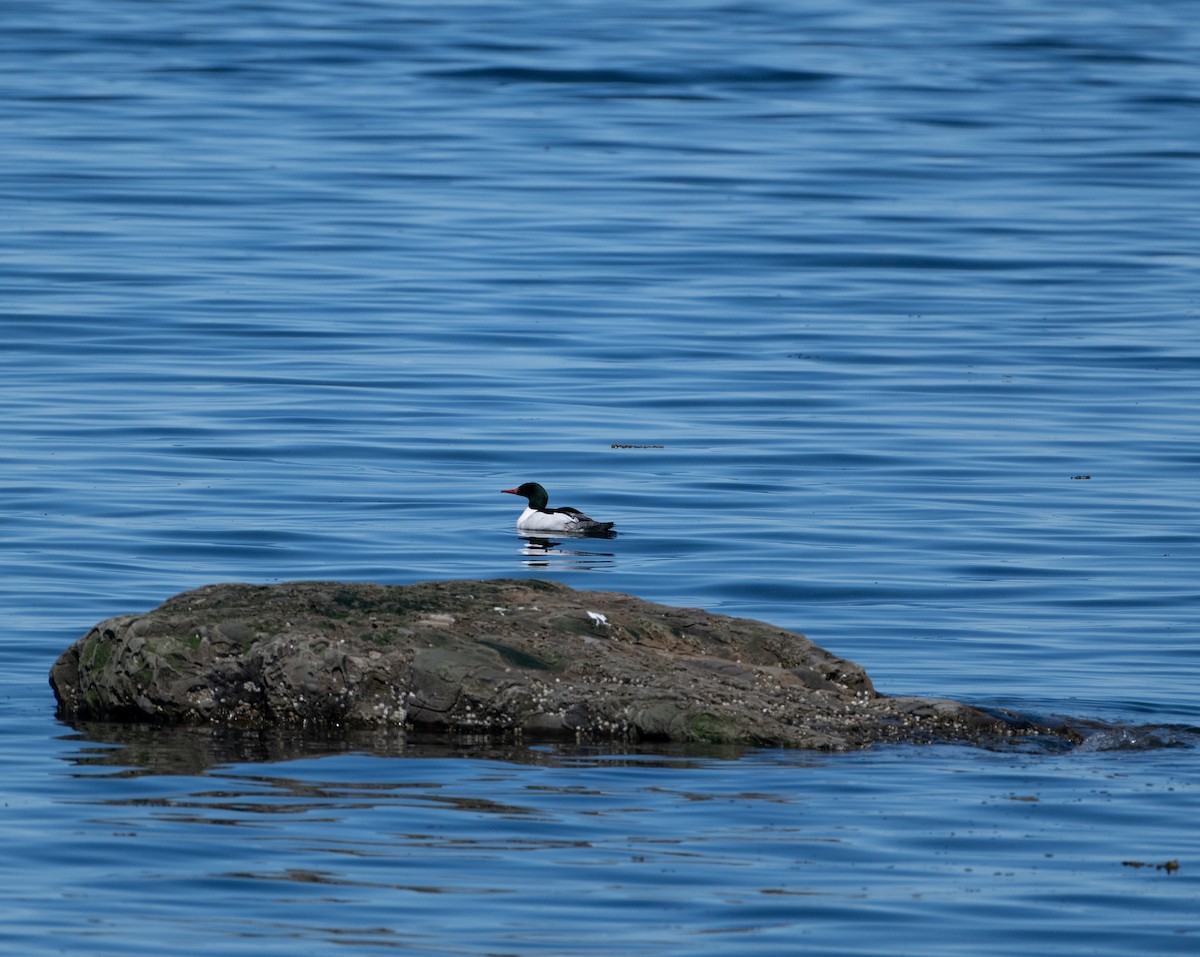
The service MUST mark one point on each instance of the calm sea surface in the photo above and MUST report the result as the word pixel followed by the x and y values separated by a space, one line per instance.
pixel 876 321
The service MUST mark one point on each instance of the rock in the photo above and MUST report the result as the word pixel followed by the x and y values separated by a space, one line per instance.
pixel 508 657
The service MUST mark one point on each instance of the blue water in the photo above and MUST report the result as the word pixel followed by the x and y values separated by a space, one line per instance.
pixel 898 306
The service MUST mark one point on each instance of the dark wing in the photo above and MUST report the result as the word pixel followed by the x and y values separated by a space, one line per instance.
pixel 589 524
pixel 567 510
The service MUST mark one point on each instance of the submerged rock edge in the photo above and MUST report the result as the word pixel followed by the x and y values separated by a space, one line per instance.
pixel 500 657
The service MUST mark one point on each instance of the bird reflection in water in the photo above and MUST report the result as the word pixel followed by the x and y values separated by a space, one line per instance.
pixel 542 552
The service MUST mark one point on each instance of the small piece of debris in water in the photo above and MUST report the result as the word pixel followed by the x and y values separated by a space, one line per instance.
pixel 1169 866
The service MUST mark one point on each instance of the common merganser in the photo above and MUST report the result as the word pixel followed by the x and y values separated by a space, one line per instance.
pixel 538 518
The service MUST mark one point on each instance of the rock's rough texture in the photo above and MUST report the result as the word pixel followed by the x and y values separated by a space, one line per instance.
pixel 503 657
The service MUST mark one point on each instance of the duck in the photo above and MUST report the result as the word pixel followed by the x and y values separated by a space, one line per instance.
pixel 538 517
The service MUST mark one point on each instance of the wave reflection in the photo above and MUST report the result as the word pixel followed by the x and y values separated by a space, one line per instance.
pixel 539 552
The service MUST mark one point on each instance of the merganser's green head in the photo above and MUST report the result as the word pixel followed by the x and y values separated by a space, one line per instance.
pixel 531 490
